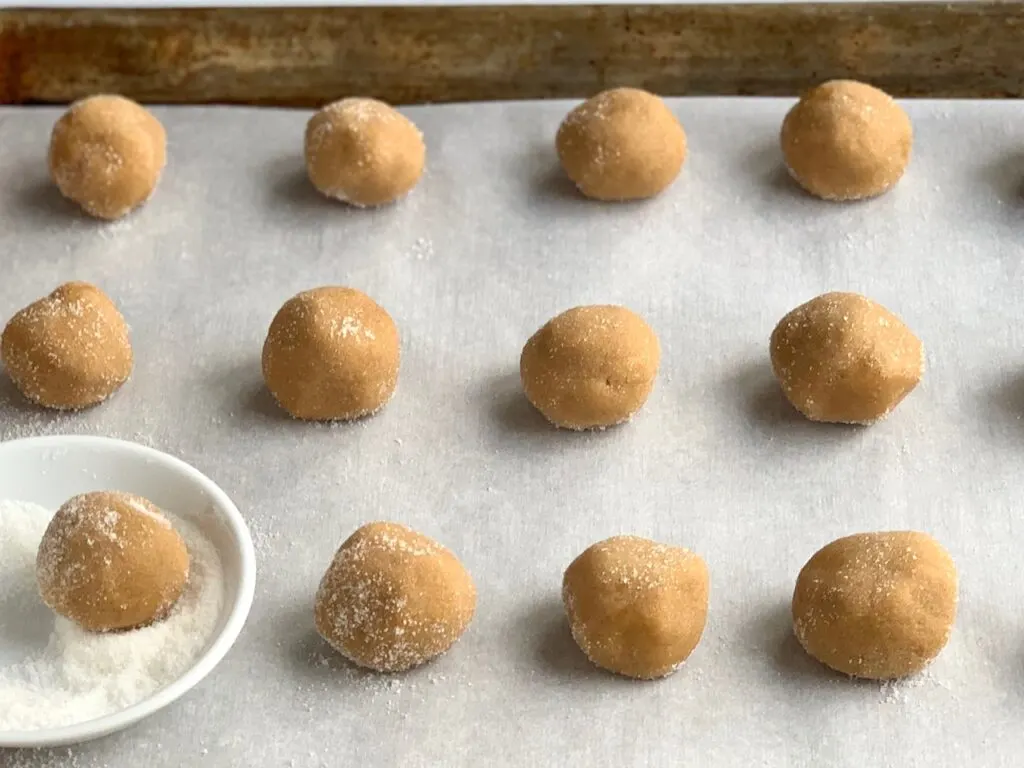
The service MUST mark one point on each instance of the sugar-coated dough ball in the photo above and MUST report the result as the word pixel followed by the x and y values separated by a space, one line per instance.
pixel 876 605
pixel 68 350
pixel 106 154
pixel 331 353
pixel 363 152
pixel 591 366
pixel 845 140
pixel 393 598
pixel 636 607
pixel 622 144
pixel 111 561
pixel 843 358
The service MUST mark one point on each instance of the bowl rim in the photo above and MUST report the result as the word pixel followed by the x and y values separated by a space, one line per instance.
pixel 238 611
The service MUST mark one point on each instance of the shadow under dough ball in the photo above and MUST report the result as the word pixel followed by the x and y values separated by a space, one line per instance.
pixel 622 144
pixel 845 140
pixel 111 561
pixel 68 350
pixel 363 152
pixel 331 353
pixel 106 154
pixel 636 607
pixel 393 599
pixel 591 366
pixel 843 358
pixel 876 605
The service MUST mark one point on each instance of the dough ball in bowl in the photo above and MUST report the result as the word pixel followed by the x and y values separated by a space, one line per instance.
pixel 846 140
pixel 841 357
pixel 393 599
pixel 331 353
pixel 622 144
pixel 636 607
pixel 111 561
pixel 68 350
pixel 876 605
pixel 591 366
pixel 106 155
pixel 363 152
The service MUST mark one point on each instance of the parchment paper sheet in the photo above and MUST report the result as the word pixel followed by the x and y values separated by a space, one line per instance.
pixel 488 247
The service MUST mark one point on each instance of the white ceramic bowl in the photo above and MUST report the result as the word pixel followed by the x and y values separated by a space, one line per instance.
pixel 49 470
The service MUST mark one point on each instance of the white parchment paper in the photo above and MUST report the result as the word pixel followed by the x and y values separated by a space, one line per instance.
pixel 489 246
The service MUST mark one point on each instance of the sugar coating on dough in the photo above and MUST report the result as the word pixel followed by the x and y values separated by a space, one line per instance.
pixel 636 607
pixel 393 598
pixel 106 154
pixel 876 605
pixel 846 140
pixel 590 367
pixel 842 357
pixel 68 350
pixel 331 353
pixel 622 144
pixel 363 152
pixel 111 561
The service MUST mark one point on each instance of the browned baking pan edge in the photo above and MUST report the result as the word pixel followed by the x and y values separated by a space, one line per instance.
pixel 304 57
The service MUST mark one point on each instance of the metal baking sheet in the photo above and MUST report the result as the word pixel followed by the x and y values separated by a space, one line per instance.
pixel 72 4
pixel 491 244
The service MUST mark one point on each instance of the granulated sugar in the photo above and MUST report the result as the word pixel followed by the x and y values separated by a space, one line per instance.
pixel 422 249
pixel 76 675
pixel 896 691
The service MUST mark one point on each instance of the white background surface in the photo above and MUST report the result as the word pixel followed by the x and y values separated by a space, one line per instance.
pixel 488 247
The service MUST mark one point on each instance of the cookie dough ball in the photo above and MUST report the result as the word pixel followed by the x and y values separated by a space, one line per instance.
pixel 393 598
pixel 68 350
pixel 636 607
pixel 331 353
pixel 876 605
pixel 845 140
pixel 106 154
pixel 111 561
pixel 591 366
pixel 363 152
pixel 843 358
pixel 622 144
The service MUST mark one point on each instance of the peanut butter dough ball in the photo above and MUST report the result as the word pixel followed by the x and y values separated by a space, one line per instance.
pixel 636 607
pixel 591 366
pixel 845 140
pixel 363 152
pixel 331 353
pixel 843 358
pixel 393 598
pixel 68 350
pixel 106 155
pixel 111 561
pixel 622 144
pixel 876 605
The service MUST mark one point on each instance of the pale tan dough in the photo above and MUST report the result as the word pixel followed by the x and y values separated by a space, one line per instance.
pixel 68 350
pixel 591 366
pixel 331 353
pixel 106 155
pixel 841 357
pixel 636 607
pixel 622 144
pixel 845 140
pixel 876 605
pixel 363 152
pixel 393 599
pixel 111 561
